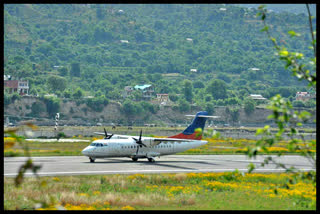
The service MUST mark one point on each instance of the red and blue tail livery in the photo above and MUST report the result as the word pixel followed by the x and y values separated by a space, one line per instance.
pixel 192 131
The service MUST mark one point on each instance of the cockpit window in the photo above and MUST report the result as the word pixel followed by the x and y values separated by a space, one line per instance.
pixel 98 144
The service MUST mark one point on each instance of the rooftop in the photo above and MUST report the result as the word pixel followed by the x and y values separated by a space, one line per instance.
pixel 142 87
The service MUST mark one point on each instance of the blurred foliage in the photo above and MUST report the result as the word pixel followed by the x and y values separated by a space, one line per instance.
pixel 14 139
pixel 287 119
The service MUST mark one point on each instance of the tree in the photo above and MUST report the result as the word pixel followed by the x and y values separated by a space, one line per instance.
pixel 63 71
pixel 187 90
pixel 128 107
pixel 249 106
pixel 75 69
pixel 234 114
pixel 217 88
pixel 173 97
pixel 56 83
pixel 53 105
pixel 99 12
pixel 78 93
pixel 184 105
pixel 210 108
pixel 67 93
pixel 198 84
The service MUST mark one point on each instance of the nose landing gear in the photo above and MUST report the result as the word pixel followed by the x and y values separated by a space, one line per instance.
pixel 91 159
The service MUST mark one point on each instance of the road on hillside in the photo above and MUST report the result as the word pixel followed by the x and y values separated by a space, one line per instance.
pixel 80 165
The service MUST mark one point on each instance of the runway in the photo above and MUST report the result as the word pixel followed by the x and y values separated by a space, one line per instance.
pixel 80 165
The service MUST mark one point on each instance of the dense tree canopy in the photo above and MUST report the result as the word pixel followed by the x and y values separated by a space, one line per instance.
pixel 197 52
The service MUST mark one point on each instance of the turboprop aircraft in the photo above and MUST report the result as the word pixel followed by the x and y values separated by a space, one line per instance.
pixel 135 147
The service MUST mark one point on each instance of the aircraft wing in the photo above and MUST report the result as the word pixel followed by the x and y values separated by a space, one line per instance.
pixel 171 140
pixel 115 136
pixel 157 141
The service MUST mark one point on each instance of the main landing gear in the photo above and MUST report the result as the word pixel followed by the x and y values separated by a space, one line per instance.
pixel 91 160
pixel 151 160
pixel 134 159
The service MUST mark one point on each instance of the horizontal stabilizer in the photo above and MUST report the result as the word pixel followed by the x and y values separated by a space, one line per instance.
pixel 189 115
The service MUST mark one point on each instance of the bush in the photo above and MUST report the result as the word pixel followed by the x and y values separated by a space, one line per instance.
pixel 15 96
pixel 61 134
pixel 53 105
pixel 37 108
pixel 298 103
pixel 97 103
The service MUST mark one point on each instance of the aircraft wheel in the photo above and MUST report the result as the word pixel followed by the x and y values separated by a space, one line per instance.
pixel 135 159
pixel 151 160
pixel 91 160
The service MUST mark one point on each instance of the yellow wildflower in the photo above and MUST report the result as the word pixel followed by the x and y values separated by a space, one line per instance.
pixel 128 208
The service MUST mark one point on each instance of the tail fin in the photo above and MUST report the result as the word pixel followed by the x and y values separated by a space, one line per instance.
pixel 190 132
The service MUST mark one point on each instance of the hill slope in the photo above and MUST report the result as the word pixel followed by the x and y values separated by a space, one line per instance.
pixel 100 49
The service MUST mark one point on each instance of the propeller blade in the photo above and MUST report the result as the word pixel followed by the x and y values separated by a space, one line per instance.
pixel 105 132
pixel 139 142
pixel 137 150
pixel 140 135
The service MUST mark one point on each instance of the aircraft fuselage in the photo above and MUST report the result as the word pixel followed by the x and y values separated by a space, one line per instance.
pixel 129 148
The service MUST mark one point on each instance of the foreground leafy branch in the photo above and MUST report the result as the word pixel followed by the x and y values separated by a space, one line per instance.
pixel 286 119
pixel 28 165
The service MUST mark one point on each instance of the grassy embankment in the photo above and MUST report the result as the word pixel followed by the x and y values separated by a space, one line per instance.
pixel 192 191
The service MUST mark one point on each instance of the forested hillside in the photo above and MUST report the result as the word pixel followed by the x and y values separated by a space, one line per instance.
pixel 285 8
pixel 74 50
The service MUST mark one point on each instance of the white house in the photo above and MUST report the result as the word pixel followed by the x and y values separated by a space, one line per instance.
pixel 257 97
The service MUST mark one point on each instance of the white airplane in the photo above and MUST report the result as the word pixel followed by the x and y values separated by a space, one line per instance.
pixel 135 147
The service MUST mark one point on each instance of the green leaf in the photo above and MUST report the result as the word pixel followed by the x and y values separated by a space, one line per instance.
pixel 266 28
pixel 251 167
pixel 293 33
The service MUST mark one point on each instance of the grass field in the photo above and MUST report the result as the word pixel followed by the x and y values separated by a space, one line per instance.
pixel 182 191
pixel 214 146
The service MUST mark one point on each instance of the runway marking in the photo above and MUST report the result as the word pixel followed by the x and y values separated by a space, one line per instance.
pixel 152 171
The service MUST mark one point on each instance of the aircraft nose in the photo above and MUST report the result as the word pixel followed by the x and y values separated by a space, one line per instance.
pixel 85 151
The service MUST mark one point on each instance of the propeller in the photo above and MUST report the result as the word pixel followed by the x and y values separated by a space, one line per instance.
pixel 139 142
pixel 107 136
